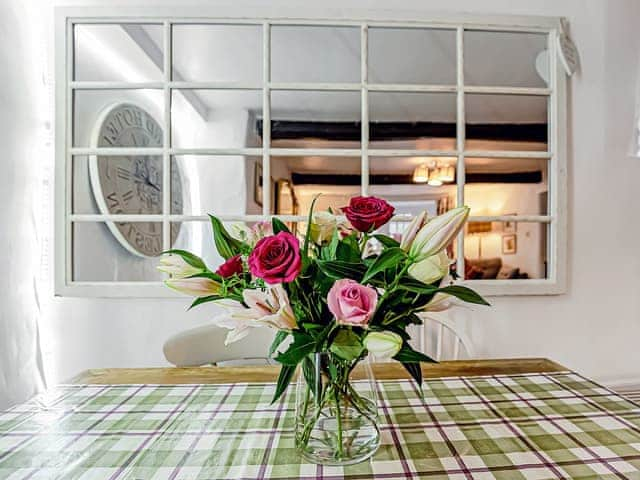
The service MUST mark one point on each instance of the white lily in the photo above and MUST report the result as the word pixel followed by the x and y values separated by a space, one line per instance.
pixel 195 286
pixel 431 268
pixel 439 303
pixel 176 266
pixel 383 345
pixel 436 234
pixel 269 308
pixel 412 230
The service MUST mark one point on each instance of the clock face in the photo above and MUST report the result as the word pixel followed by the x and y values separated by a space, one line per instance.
pixel 132 185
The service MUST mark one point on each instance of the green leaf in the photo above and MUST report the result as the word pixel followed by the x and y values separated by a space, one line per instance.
pixel 388 258
pixel 416 286
pixel 277 341
pixel 189 257
pixel 284 379
pixel 307 236
pixel 348 249
pixel 279 226
pixel 329 251
pixel 201 300
pixel 464 293
pixel 346 345
pixel 311 326
pixel 210 275
pixel 338 269
pixel 409 355
pixel 302 345
pixel 386 240
pixel 313 378
pixel 414 370
pixel 226 245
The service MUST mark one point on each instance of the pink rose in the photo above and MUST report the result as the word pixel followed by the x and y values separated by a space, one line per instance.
pixel 231 267
pixel 276 259
pixel 368 213
pixel 352 303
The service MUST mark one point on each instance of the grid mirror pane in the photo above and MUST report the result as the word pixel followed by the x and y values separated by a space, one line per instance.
pixel 257 119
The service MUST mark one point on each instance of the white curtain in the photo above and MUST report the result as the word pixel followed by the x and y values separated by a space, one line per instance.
pixel 24 127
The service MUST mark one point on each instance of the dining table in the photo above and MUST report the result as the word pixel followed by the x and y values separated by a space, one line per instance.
pixel 523 418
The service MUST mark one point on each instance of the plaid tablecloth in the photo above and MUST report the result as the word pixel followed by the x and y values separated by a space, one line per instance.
pixel 538 426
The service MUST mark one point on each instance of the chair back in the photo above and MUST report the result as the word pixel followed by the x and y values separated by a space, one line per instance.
pixel 443 339
pixel 204 345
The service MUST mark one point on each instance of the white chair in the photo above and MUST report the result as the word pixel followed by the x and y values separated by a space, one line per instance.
pixel 442 339
pixel 204 345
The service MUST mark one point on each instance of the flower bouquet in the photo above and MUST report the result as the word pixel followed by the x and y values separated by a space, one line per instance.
pixel 334 296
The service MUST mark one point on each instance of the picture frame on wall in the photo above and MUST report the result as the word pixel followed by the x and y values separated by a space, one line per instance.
pixel 510 227
pixel 509 244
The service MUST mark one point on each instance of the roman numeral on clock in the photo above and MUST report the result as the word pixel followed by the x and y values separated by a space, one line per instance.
pixel 123 173
pixel 112 198
pixel 127 196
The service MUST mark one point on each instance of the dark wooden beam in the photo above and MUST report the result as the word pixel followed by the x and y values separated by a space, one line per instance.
pixel 350 131
pixel 353 180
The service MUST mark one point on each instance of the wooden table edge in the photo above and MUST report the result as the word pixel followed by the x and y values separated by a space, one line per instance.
pixel 382 371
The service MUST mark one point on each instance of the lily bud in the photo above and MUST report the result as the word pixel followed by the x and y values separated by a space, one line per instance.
pixel 323 224
pixel 383 345
pixel 437 233
pixel 439 303
pixel 177 267
pixel 431 268
pixel 412 230
pixel 195 286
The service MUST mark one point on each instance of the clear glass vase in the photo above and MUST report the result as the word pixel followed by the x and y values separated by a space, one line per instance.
pixel 336 410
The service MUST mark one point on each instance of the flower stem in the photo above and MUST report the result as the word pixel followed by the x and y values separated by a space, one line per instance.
pixel 339 422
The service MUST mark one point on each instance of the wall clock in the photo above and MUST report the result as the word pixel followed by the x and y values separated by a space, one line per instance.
pixel 132 185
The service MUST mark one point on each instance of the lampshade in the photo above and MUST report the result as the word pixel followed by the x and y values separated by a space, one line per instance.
pixel 447 173
pixel 421 174
pixel 434 178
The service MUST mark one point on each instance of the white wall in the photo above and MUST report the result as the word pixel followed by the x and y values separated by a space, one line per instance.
pixel 594 328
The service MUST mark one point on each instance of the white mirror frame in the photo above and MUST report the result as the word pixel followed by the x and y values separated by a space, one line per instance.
pixel 66 17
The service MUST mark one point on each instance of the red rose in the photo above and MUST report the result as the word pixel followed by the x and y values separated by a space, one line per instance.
pixel 229 268
pixel 368 213
pixel 276 259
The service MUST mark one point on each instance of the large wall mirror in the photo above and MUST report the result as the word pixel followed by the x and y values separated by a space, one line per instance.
pixel 164 120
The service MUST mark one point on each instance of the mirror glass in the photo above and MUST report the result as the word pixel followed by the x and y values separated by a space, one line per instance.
pixel 127 52
pixel 316 109
pixel 505 251
pixel 315 54
pixel 506 59
pixel 412 55
pixel 217 53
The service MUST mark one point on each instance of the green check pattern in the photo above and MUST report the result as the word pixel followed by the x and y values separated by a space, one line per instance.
pixel 537 426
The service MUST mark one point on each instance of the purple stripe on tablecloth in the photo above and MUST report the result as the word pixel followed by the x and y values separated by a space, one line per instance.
pixel 443 434
pixel 596 405
pixel 4 455
pixel 276 421
pixel 550 465
pixel 394 434
pixel 183 460
pixel 576 440
pixel 141 447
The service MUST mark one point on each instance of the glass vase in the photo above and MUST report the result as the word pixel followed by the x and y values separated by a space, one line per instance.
pixel 336 410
